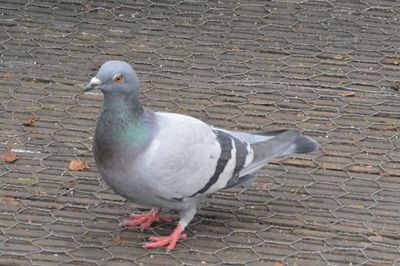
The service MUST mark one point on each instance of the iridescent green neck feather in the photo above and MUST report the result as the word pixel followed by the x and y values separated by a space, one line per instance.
pixel 123 125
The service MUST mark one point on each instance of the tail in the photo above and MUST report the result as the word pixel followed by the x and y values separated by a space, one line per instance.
pixel 301 144
pixel 278 143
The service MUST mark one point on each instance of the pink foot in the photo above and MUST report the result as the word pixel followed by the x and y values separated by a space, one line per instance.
pixel 169 241
pixel 147 219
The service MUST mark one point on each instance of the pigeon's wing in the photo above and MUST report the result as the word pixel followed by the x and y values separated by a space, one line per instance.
pixel 267 145
pixel 188 158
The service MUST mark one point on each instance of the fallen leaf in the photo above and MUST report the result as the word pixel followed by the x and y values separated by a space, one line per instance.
pixel 347 94
pixel 103 13
pixel 342 57
pixel 329 124
pixel 10 201
pixel 376 237
pixel 261 186
pixel 78 165
pixel 276 160
pixel 96 66
pixel 6 75
pixel 323 150
pixel 395 86
pixel 278 264
pixel 70 183
pixel 392 127
pixel 88 4
pixel 40 193
pixel 9 156
pixel 115 242
pixel 396 61
pixel 357 206
pixel 27 179
pixel 34 108
pixel 40 79
pixel 29 121
pixel 300 116
pixel 52 206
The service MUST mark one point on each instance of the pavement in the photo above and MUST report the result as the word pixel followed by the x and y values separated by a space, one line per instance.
pixel 329 68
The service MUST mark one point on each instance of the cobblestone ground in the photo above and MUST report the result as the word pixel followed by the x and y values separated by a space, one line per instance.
pixel 328 68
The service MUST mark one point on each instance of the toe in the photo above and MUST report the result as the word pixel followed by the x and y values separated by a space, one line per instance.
pixel 146 224
pixel 128 223
pixel 136 216
pixel 171 246
pixel 134 222
pixel 165 218
pixel 158 243
pixel 155 238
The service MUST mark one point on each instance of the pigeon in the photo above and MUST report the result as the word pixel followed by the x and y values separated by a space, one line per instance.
pixel 172 161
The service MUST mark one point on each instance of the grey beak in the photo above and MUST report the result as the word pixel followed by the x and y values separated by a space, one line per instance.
pixel 94 82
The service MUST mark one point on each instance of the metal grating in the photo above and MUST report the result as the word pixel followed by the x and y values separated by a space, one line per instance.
pixel 329 68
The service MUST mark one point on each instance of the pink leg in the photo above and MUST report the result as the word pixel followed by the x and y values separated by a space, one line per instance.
pixel 169 241
pixel 147 219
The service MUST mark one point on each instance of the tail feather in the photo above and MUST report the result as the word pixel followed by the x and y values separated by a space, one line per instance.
pixel 284 143
pixel 303 144
pixel 306 144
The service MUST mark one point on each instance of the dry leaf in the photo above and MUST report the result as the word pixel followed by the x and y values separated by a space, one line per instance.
pixel 29 121
pixel 389 128
pixel 261 186
pixel 376 237
pixel 96 66
pixel 52 206
pixel 276 160
pixel 88 4
pixel 329 124
pixel 395 86
pixel 70 183
pixel 27 180
pixel 341 57
pixel 300 116
pixel 10 201
pixel 102 13
pixel 278 264
pixel 347 94
pixel 78 165
pixel 396 62
pixel 6 75
pixel 9 156
pixel 357 206
pixel 40 193
pixel 115 242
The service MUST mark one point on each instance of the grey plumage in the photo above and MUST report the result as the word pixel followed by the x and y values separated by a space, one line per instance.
pixel 173 161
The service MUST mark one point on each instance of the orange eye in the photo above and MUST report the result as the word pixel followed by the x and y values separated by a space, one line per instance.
pixel 118 79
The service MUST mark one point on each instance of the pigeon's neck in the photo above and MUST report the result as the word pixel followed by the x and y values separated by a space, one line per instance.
pixel 128 104
pixel 124 125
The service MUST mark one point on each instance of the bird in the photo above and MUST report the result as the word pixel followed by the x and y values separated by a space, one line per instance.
pixel 173 161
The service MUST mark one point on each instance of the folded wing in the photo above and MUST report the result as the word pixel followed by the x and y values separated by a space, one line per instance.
pixel 195 160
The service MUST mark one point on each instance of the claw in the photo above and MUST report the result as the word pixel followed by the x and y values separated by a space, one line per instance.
pixel 169 241
pixel 147 219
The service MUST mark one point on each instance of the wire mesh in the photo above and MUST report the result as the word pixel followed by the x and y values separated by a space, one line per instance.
pixel 328 68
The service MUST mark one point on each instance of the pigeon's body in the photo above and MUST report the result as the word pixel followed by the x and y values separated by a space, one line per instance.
pixel 165 160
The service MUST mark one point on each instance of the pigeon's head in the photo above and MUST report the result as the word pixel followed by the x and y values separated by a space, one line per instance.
pixel 115 77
